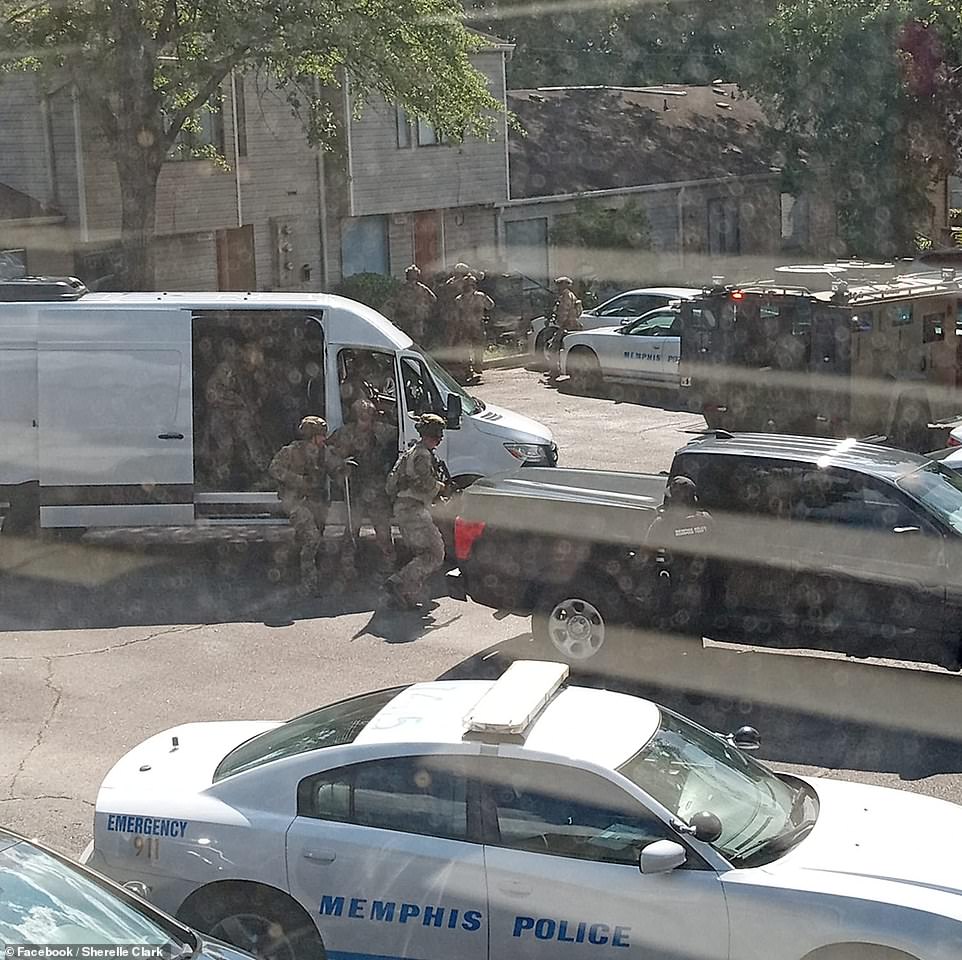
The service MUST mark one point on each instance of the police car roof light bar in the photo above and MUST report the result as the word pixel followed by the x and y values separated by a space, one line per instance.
pixel 512 705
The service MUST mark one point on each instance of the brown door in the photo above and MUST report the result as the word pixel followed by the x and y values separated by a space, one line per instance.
pixel 427 240
pixel 235 258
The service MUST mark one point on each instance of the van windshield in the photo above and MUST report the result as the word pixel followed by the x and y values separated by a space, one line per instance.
pixel 469 405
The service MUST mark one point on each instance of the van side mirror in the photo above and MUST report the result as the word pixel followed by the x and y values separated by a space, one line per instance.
pixel 745 738
pixel 662 856
pixel 452 414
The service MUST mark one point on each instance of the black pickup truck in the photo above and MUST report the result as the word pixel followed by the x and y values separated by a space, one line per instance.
pixel 813 542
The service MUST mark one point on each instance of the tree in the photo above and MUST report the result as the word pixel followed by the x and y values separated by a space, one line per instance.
pixel 864 90
pixel 623 42
pixel 145 69
pixel 595 227
pixel 603 236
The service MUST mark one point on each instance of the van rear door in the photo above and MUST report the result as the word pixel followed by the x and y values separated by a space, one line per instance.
pixel 115 417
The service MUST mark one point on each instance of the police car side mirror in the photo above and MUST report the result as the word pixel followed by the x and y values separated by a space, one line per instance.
pixel 452 414
pixel 662 856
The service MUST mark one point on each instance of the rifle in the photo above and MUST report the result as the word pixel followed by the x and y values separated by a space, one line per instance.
pixel 443 476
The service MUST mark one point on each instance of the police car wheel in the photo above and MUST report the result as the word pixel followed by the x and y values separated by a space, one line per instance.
pixel 541 359
pixel 259 920
pixel 575 622
pixel 585 372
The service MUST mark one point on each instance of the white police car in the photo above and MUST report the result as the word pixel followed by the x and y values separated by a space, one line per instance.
pixel 523 818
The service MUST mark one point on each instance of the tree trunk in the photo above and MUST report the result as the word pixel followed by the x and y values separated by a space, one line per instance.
pixel 138 174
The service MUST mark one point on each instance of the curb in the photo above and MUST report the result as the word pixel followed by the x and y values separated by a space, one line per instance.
pixel 507 363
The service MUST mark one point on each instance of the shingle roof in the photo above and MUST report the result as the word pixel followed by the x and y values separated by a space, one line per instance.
pixel 15 205
pixel 580 139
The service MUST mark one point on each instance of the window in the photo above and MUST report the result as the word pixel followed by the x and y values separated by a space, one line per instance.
pixel 723 227
pixel 364 246
pixel 933 328
pixel 421 795
pixel 845 499
pixel 546 808
pixel 330 726
pixel 419 394
pixel 730 484
pixel 655 325
pixel 204 131
pixel 795 218
pixel 633 305
pixel 241 108
pixel 403 128
pixel 428 135
pixel 45 900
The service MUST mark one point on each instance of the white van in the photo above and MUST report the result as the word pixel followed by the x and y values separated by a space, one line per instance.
pixel 104 402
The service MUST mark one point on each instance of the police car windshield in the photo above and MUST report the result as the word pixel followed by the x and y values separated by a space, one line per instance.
pixel 469 405
pixel 47 901
pixel 689 770
pixel 940 489
pixel 330 726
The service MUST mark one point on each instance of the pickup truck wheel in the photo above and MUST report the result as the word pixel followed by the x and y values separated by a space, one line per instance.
pixel 575 621
pixel 585 372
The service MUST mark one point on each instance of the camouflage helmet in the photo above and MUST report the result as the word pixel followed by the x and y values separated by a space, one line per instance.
pixel 461 270
pixel 564 281
pixel 362 408
pixel 682 490
pixel 311 427
pixel 413 271
pixel 430 425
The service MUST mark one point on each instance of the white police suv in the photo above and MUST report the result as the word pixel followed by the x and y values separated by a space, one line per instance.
pixel 525 818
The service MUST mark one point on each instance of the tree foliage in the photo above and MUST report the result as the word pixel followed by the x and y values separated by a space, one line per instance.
pixel 596 227
pixel 865 91
pixel 145 69
pixel 623 42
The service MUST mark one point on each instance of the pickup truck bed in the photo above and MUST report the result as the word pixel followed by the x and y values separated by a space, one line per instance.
pixel 608 507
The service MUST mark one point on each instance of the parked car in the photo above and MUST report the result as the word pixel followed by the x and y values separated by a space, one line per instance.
pixel 619 310
pixel 645 351
pixel 526 818
pixel 52 903
pixel 842 543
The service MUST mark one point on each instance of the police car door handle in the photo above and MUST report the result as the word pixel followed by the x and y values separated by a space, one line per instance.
pixel 515 888
pixel 320 856
pixel 170 436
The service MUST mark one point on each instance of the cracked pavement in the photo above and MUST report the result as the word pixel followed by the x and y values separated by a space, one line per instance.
pixel 108 641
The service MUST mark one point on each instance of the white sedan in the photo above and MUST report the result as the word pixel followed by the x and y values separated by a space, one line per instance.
pixel 624 308
pixel 646 351
pixel 523 817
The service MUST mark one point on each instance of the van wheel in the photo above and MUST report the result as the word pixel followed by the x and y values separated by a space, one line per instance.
pixel 585 372
pixel 257 919
pixel 575 621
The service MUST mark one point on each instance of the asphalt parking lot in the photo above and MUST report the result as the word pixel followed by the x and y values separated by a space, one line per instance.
pixel 106 641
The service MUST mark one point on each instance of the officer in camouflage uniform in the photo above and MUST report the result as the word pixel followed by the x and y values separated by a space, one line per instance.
pixel 449 330
pixel 470 307
pixel 411 307
pixel 232 423
pixel 373 446
pixel 681 534
pixel 303 471
pixel 417 480
pixel 567 318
